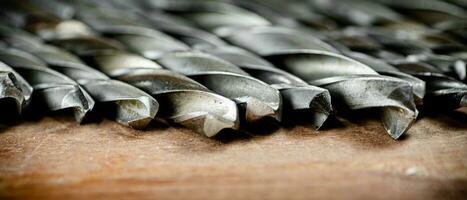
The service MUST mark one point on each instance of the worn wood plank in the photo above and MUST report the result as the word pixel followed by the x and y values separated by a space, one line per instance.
pixel 55 158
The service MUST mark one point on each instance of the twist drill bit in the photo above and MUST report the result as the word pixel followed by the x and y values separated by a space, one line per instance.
pixel 297 94
pixel 293 13
pixel 362 13
pixel 210 15
pixel 383 68
pixel 183 100
pixel 54 90
pixel 442 92
pixel 255 97
pixel 456 28
pixel 460 3
pixel 130 106
pixel 314 61
pixel 414 51
pixel 430 12
pixel 13 86
pixel 174 26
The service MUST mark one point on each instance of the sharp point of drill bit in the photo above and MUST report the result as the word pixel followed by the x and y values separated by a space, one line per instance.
pixel 387 93
pixel 383 68
pixel 10 89
pixel 297 94
pixel 258 98
pixel 56 91
pixel 182 100
pixel 185 101
pixel 22 84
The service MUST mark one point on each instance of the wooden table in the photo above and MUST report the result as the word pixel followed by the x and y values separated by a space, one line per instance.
pixel 53 157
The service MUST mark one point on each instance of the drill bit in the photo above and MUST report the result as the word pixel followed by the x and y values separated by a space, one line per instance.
pixel 297 94
pixel 383 68
pixel 313 61
pixel 412 50
pixel 430 12
pixel 13 86
pixel 129 105
pixel 54 90
pixel 293 13
pixel 363 13
pixel 182 100
pixel 256 98
pixel 442 92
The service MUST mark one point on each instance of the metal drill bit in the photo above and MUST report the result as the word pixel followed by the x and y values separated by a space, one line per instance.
pixel 211 15
pixel 355 12
pixel 442 92
pixel 457 28
pixel 460 3
pixel 54 90
pixel 428 11
pixel 386 69
pixel 182 100
pixel 174 26
pixel 297 94
pixel 313 61
pixel 383 68
pixel 131 106
pixel 292 13
pixel 449 65
pixel 255 97
pixel 13 86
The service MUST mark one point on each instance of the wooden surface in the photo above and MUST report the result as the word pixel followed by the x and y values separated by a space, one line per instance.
pixel 53 157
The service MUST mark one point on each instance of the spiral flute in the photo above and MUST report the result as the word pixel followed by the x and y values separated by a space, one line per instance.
pixel 297 94
pixel 309 59
pixel 13 86
pixel 130 106
pixel 182 100
pixel 256 98
pixel 53 89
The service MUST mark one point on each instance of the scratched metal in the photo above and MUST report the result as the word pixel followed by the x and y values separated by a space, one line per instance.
pixel 310 59
pixel 182 100
pixel 13 86
pixel 297 94
pixel 55 90
pixel 129 105
pixel 257 98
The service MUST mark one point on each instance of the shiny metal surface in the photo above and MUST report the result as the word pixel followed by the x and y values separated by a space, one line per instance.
pixel 53 89
pixel 255 97
pixel 126 104
pixel 312 60
pixel 13 86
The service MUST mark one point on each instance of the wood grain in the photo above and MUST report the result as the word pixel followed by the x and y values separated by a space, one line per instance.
pixel 55 158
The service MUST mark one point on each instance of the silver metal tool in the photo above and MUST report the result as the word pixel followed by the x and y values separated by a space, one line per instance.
pixel 54 90
pixel 311 60
pixel 14 87
pixel 182 100
pixel 297 94
pixel 255 97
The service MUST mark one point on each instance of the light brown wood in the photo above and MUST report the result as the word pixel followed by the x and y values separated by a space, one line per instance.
pixel 56 158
